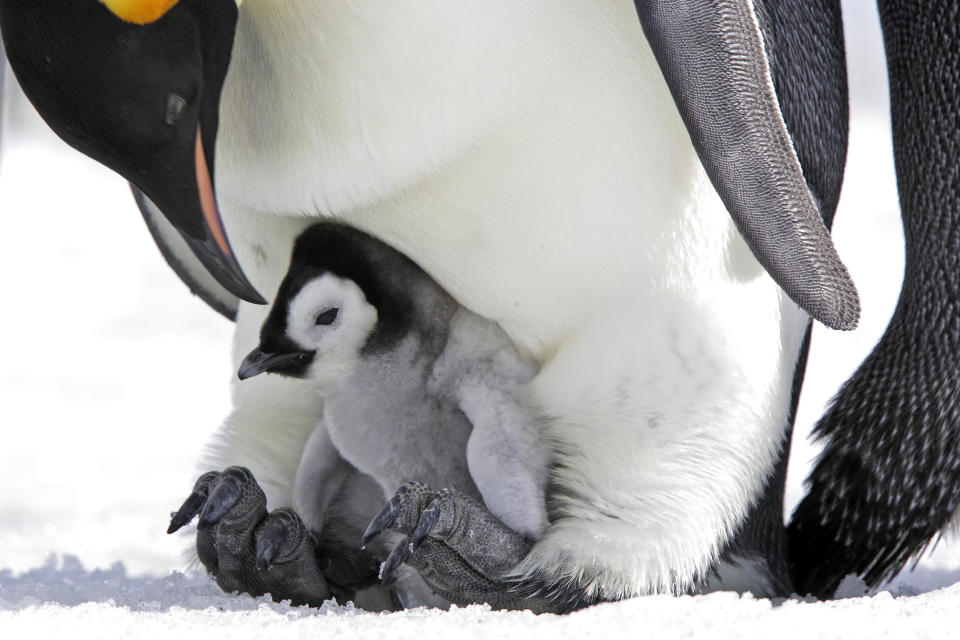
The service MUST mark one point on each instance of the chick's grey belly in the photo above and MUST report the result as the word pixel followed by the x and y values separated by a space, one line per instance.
pixel 387 424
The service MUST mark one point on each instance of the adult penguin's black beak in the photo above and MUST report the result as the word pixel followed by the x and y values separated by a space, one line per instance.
pixel 211 245
pixel 136 86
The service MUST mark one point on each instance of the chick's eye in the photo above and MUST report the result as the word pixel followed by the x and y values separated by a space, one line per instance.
pixel 328 316
pixel 175 107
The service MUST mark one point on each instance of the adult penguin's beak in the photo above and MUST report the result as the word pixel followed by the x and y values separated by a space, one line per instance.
pixel 142 97
pixel 211 245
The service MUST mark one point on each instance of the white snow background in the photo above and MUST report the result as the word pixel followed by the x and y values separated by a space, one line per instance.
pixel 112 378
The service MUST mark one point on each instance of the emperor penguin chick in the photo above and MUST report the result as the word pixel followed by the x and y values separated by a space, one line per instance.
pixel 415 386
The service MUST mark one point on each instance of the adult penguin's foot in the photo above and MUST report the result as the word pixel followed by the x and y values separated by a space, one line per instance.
pixel 463 552
pixel 246 549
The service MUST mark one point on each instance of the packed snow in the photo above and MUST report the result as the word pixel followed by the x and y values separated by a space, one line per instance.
pixel 63 599
pixel 113 378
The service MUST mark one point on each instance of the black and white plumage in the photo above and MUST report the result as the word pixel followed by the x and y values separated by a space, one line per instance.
pixel 160 136
pixel 532 159
pixel 415 387
pixel 888 481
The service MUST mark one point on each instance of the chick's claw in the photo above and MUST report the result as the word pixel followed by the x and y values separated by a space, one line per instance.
pixel 193 504
pixel 270 538
pixel 281 538
pixel 456 545
pixel 225 494
pixel 247 549
pixel 397 557
pixel 412 543
pixel 381 522
pixel 427 521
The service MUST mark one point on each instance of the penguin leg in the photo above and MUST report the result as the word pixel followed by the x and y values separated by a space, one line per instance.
pixel 247 549
pixel 461 550
pixel 888 481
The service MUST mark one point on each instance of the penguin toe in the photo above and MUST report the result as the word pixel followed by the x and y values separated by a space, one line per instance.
pixel 401 513
pixel 247 549
pixel 286 559
pixel 458 547
pixel 194 502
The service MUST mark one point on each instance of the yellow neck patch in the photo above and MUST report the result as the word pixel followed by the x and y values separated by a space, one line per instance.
pixel 139 11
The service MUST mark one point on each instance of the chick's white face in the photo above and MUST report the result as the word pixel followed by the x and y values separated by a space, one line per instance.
pixel 331 316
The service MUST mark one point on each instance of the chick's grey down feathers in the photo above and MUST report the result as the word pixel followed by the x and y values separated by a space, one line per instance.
pixel 436 393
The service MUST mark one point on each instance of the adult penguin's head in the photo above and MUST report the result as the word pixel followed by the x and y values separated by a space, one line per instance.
pixel 135 84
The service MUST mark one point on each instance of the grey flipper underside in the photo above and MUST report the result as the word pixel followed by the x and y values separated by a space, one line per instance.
pixel 713 58
pixel 806 53
pixel 3 73
pixel 182 259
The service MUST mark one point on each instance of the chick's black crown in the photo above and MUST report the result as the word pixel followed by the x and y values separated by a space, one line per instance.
pixel 386 277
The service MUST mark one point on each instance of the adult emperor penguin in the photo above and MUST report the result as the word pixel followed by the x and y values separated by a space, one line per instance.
pixel 640 205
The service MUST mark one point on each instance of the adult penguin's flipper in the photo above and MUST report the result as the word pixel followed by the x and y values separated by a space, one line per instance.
pixel 3 73
pixel 183 260
pixel 888 479
pixel 811 86
pixel 713 58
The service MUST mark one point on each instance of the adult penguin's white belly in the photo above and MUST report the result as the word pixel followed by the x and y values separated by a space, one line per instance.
pixel 529 156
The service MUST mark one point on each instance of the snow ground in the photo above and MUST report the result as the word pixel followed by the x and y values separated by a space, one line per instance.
pixel 68 601
pixel 113 378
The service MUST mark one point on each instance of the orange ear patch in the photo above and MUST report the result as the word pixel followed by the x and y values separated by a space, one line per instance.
pixel 139 11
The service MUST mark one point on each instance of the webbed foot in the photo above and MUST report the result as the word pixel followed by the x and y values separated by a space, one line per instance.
pixel 247 549
pixel 460 549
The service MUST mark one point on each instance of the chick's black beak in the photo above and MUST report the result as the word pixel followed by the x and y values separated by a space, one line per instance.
pixel 258 361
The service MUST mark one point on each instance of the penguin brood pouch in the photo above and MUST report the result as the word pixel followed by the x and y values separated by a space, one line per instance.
pixel 418 392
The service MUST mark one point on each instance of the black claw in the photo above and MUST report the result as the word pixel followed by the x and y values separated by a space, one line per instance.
pixel 271 538
pixel 396 558
pixel 382 520
pixel 427 519
pixel 190 507
pixel 224 496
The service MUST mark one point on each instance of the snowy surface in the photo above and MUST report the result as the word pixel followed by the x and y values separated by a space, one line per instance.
pixel 113 378
pixel 66 601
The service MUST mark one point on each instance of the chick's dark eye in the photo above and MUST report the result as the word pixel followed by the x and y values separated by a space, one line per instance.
pixel 176 105
pixel 328 316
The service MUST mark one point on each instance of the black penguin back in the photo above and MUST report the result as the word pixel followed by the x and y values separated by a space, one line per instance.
pixel 889 476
